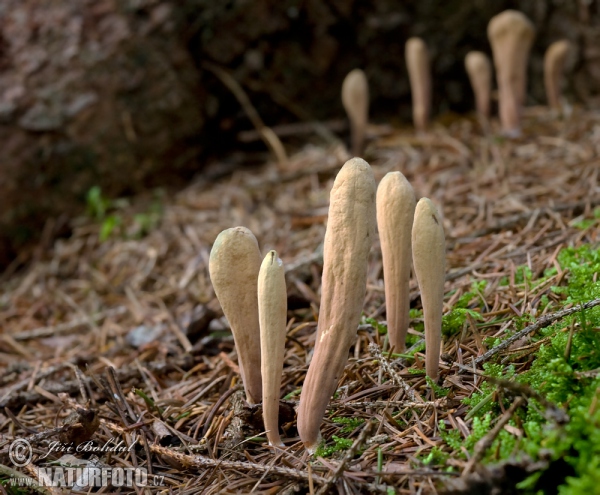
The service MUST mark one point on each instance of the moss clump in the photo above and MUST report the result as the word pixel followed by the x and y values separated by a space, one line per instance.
pixel 563 373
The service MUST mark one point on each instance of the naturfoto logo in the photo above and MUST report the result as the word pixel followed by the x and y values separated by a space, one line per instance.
pixel 74 473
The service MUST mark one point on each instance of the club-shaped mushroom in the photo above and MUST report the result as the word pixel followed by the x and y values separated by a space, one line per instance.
pixel 395 212
pixel 355 98
pixel 554 63
pixel 348 239
pixel 417 63
pixel 429 260
pixel 272 314
pixel 511 35
pixel 479 70
pixel 234 265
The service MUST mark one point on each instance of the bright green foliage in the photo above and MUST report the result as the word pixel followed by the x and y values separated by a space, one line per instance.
pixel 415 314
pixel 453 321
pixel 522 274
pixel 482 402
pixel 109 224
pixel 439 391
pixel 339 444
pixel 109 212
pixel 292 394
pixel 377 325
pixel 96 203
pixel 350 424
pixel 477 289
pixel 568 380
pixel 435 457
pixel 455 439
pixel 583 263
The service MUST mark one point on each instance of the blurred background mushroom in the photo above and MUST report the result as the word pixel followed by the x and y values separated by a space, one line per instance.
pixel 511 35
pixel 554 63
pixel 117 95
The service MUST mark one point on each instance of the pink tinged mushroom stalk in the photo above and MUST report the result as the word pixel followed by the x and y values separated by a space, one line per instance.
pixel 511 35
pixel 348 239
pixel 479 70
pixel 554 62
pixel 429 259
pixel 417 62
pixel 272 314
pixel 234 265
pixel 355 98
pixel 395 212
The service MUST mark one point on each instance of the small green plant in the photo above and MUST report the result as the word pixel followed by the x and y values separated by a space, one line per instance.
pixel 439 391
pixel 453 321
pixel 563 373
pixel 97 205
pixel 293 394
pixel 112 221
pixel 350 424
pixel 339 444
pixel 435 457
pixel 380 327
pixel 109 224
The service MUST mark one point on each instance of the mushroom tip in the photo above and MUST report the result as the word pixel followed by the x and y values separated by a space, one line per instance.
pixel 357 161
pixel 415 42
pixel 426 203
pixel 355 83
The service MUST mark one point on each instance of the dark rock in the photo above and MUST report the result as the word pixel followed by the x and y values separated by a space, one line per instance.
pixel 91 94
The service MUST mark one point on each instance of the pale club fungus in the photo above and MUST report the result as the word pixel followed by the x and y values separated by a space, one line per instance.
pixel 395 212
pixel 355 98
pixel 417 63
pixel 511 35
pixel 429 260
pixel 348 239
pixel 479 71
pixel 272 314
pixel 554 62
pixel 234 265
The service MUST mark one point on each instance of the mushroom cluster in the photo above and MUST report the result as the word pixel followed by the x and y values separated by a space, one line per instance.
pixel 254 300
pixel 253 294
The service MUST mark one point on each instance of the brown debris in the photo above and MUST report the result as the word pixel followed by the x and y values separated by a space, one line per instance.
pixel 502 204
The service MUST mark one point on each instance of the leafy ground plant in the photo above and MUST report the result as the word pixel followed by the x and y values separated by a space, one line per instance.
pixel 563 373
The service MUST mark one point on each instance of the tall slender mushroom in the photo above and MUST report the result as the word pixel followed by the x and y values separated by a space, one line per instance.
pixel 348 238
pixel 395 212
pixel 234 265
pixel 479 70
pixel 511 35
pixel 554 62
pixel 417 62
pixel 355 98
pixel 429 259
pixel 272 314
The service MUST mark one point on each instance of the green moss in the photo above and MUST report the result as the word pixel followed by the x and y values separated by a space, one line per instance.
pixel 566 379
pixel 339 444
pixel 350 424
pixel 453 321
pixel 435 457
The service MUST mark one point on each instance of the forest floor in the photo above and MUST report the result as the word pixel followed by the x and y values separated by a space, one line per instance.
pixel 120 323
